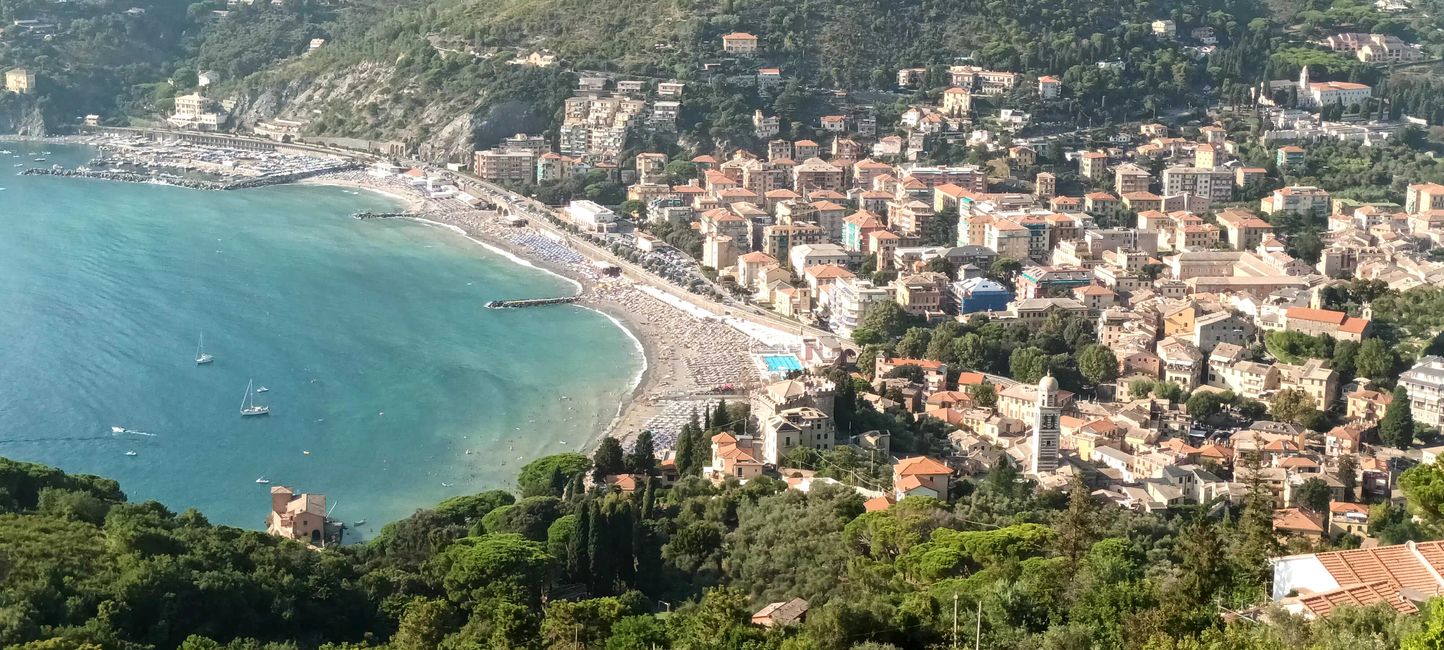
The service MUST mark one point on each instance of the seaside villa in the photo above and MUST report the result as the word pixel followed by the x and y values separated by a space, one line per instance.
pixel 297 516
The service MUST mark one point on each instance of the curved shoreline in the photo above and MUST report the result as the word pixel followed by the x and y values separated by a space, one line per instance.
pixel 522 261
pixel 647 341
pixel 638 384
pixel 635 389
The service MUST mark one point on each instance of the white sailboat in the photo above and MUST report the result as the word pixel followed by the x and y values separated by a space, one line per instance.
pixel 249 405
pixel 201 357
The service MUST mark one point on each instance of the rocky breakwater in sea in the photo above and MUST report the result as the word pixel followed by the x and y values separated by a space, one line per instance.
pixel 192 183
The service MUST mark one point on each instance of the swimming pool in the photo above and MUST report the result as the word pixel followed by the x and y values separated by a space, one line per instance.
pixel 782 362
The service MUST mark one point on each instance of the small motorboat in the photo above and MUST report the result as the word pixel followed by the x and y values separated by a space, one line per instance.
pixel 262 389
pixel 359 522
pixel 117 429
pixel 132 453
pixel 263 481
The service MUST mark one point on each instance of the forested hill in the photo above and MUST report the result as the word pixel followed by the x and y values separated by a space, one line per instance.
pixel 128 58
pixel 411 69
pixel 682 568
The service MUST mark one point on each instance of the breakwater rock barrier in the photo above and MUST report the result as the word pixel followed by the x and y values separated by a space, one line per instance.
pixel 533 302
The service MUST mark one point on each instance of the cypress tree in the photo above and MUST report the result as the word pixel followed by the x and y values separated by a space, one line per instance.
pixel 643 459
pixel 623 525
pixel 720 420
pixel 578 562
pixel 598 554
pixel 684 451
pixel 701 450
pixel 1397 427
pixel 649 498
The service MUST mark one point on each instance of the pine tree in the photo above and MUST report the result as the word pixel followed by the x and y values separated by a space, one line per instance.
pixel 557 480
pixel 608 459
pixel 1256 541
pixel 1204 569
pixel 1077 529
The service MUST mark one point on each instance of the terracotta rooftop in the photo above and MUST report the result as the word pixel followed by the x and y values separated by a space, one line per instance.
pixel 920 466
pixel 1296 520
pixel 1360 595
pixel 1410 565
pixel 876 504
pixel 1318 315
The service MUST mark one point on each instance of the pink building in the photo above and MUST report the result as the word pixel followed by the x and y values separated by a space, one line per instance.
pixel 301 517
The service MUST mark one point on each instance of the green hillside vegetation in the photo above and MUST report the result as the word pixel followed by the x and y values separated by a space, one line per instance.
pixel 453 53
pixel 103 58
pixel 80 567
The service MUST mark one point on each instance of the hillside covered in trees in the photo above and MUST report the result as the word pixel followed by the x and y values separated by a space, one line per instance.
pixel 555 566
pixel 412 69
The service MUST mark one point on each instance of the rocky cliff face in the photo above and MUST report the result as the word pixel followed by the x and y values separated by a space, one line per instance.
pixel 21 116
pixel 367 101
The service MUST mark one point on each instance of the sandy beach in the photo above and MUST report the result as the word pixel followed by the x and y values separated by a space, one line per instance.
pixel 687 361
pixel 413 202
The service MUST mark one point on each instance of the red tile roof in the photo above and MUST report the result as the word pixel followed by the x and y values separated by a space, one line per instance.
pixel 920 466
pixel 1317 315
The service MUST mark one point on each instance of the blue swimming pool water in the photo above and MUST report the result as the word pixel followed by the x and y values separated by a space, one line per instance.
pixel 782 363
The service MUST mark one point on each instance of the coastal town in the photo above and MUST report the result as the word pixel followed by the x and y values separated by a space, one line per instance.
pixel 1156 316
pixel 805 245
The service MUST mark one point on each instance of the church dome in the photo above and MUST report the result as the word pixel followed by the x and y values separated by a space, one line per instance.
pixel 1048 384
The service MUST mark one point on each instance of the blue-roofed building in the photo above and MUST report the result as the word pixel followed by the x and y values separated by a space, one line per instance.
pixel 980 294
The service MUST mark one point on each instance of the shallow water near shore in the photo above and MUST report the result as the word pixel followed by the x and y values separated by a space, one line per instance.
pixel 371 336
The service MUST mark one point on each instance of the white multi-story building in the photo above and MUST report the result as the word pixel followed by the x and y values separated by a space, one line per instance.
pixel 1425 385
pixel 849 301
pixel 1324 93
pixel 589 215
pixel 1214 184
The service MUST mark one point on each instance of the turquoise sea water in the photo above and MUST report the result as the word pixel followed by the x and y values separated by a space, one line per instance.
pixel 380 359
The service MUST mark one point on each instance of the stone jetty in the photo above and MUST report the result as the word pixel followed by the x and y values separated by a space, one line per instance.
pixel 191 183
pixel 533 302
